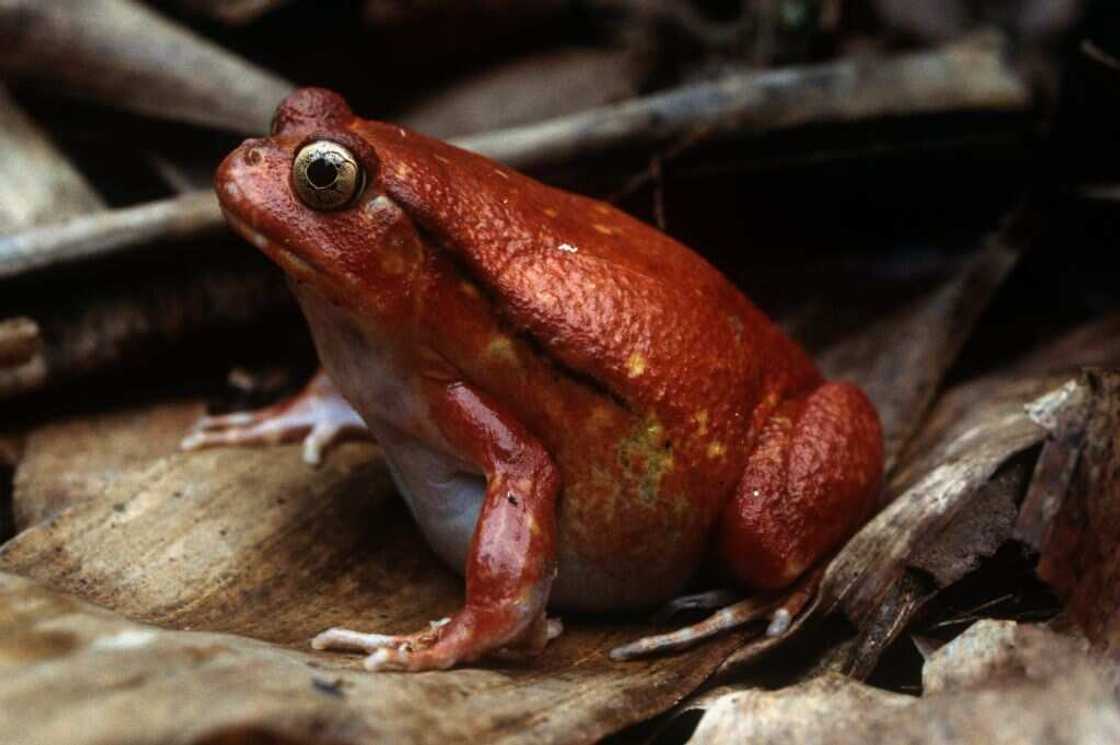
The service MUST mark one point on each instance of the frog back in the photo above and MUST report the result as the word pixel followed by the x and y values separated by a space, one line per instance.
pixel 604 294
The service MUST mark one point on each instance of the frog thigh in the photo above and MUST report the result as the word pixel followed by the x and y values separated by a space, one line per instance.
pixel 810 482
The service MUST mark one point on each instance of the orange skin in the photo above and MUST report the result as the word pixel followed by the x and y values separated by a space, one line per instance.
pixel 631 411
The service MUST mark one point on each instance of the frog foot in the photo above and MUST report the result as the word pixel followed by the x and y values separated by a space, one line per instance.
pixel 780 609
pixel 318 415
pixel 442 645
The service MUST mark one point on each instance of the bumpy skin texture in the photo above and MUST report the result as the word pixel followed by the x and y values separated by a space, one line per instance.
pixel 641 407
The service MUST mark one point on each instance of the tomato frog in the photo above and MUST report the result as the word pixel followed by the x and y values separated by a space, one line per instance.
pixel 579 410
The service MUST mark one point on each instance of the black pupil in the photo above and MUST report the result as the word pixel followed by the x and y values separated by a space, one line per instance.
pixel 322 173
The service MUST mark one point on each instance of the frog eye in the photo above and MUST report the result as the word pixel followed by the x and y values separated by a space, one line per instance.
pixel 327 176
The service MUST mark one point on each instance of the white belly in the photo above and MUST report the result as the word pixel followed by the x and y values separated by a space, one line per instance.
pixel 442 492
pixel 444 499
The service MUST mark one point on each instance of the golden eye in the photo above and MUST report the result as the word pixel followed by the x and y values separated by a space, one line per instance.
pixel 326 176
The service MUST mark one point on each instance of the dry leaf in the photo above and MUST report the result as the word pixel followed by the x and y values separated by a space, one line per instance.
pixel 938 522
pixel 1081 547
pixel 76 674
pixel 993 687
pixel 990 652
pixel 253 542
pixel 71 459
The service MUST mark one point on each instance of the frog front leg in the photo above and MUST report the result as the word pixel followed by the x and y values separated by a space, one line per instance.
pixel 512 557
pixel 318 415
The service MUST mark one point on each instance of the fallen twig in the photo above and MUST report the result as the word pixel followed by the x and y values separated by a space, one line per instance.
pixel 130 56
pixel 37 183
pixel 966 76
pixel 107 232
pixel 971 75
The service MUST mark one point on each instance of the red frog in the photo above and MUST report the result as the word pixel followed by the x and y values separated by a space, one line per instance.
pixel 578 409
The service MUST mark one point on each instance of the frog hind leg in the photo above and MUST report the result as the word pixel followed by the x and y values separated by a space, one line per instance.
pixel 318 415
pixel 812 479
pixel 511 562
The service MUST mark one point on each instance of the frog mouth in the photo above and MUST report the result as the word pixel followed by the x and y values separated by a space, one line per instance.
pixel 278 251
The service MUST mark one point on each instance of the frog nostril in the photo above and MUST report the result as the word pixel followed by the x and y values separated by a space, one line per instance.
pixel 253 157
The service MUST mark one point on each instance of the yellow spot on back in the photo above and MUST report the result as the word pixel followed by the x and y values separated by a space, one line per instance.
pixel 443 160
pixel 635 365
pixel 604 229
pixel 736 325
pixel 600 417
pixel 403 170
pixel 550 212
pixel 392 264
pixel 602 209
pixel 701 419
pixel 716 450
pixel 501 347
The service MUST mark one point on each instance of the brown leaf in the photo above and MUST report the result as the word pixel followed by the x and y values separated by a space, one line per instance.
pixel 254 543
pixel 996 684
pixel 822 708
pixel 942 520
pixel 1081 547
pixel 75 674
pixel 990 652
pixel 72 459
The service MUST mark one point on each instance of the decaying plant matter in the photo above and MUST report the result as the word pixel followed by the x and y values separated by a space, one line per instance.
pixel 915 193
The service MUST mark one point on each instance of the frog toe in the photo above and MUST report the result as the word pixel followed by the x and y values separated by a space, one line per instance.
pixel 778 609
pixel 321 437
pixel 318 415
pixel 241 428
pixel 340 639
pixel 348 640
pixel 725 619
